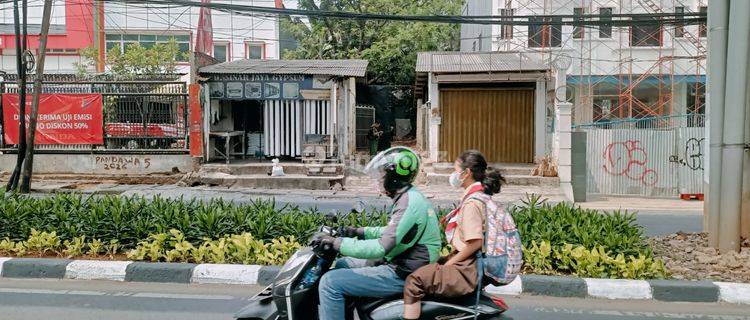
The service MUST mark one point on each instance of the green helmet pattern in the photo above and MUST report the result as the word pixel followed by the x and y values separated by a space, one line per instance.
pixel 406 163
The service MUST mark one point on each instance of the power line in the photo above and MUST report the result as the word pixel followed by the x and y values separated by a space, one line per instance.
pixel 574 20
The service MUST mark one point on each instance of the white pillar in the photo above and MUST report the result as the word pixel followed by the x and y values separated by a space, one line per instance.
pixel 540 119
pixel 563 112
pixel 434 116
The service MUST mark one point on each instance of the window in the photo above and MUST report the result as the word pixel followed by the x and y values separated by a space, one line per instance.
pixel 578 29
pixel 702 28
pixel 605 29
pixel 255 50
pixel 221 52
pixel 545 32
pixel 506 29
pixel 679 28
pixel 148 41
pixel 646 34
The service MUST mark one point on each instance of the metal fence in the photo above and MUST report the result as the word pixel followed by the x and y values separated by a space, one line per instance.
pixel 364 121
pixel 660 157
pixel 137 114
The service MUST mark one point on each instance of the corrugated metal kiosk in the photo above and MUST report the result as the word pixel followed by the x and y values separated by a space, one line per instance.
pixel 491 101
pixel 280 108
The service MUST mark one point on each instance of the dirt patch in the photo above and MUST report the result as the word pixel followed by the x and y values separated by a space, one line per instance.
pixel 688 256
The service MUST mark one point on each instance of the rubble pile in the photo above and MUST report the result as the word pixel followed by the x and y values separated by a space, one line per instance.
pixel 688 256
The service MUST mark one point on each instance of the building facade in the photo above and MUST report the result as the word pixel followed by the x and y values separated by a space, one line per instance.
pixel 641 71
pixel 78 24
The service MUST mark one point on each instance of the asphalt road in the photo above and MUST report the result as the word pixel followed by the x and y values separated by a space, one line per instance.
pixel 82 300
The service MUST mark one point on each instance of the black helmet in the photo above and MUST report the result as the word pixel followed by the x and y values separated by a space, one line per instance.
pixel 395 168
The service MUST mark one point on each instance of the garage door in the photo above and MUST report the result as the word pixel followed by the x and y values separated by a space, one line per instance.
pixel 497 122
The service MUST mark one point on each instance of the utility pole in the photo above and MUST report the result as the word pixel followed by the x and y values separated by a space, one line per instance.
pixel 28 163
pixel 21 67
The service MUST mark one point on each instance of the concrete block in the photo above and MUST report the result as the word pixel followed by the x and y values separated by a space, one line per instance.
pixel 514 288
pixel 734 292
pixel 3 260
pixel 97 270
pixel 618 289
pixel 267 274
pixel 35 268
pixel 554 286
pixel 686 291
pixel 159 272
pixel 225 273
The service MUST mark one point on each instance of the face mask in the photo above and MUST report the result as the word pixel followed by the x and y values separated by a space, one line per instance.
pixel 455 180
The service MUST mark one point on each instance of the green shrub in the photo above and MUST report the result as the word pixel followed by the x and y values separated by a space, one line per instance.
pixel 563 223
pixel 543 258
pixel 130 220
pixel 564 239
pixel 242 248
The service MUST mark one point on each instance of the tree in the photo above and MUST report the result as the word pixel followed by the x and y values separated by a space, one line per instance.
pixel 391 47
pixel 161 58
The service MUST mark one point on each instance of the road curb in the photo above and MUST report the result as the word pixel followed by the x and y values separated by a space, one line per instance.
pixel 557 286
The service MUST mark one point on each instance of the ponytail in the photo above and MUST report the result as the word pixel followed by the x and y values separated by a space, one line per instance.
pixel 492 180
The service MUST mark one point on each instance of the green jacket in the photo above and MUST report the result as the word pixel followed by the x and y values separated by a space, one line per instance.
pixel 399 243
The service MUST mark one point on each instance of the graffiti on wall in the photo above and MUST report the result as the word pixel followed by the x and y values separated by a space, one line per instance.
pixel 694 153
pixel 121 163
pixel 629 159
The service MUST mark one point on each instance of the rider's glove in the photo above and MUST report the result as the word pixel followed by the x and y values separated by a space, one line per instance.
pixel 326 241
pixel 351 232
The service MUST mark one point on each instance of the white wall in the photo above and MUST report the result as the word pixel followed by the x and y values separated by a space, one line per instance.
pixel 35 12
pixel 227 27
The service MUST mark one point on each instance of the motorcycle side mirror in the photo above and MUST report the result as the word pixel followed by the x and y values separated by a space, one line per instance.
pixel 359 207
pixel 332 217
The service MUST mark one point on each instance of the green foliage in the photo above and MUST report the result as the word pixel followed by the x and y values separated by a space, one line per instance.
pixel 96 247
pixel 242 248
pixel 563 223
pixel 564 239
pixel 129 220
pixel 160 58
pixel 557 239
pixel 391 47
pixel 542 258
pixel 43 242
pixel 74 248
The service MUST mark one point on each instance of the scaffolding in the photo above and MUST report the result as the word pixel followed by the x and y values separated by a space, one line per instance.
pixel 618 72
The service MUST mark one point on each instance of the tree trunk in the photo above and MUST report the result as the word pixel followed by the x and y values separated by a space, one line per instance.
pixel 21 67
pixel 28 163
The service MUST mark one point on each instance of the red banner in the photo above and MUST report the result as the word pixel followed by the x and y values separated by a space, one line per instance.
pixel 63 118
pixel 195 121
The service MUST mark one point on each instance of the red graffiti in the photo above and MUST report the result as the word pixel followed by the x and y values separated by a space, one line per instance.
pixel 629 159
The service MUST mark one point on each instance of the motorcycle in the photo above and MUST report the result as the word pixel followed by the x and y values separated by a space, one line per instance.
pixel 294 294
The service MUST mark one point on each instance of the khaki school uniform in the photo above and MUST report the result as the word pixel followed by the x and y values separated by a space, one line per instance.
pixel 454 280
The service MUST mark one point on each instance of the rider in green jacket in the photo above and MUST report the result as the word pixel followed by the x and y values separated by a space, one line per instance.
pixel 380 258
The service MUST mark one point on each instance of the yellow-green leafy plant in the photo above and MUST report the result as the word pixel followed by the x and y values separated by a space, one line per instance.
pixel 20 249
pixel 594 263
pixel 182 250
pixel 96 247
pixel 74 248
pixel 7 246
pixel 43 242
pixel 112 248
